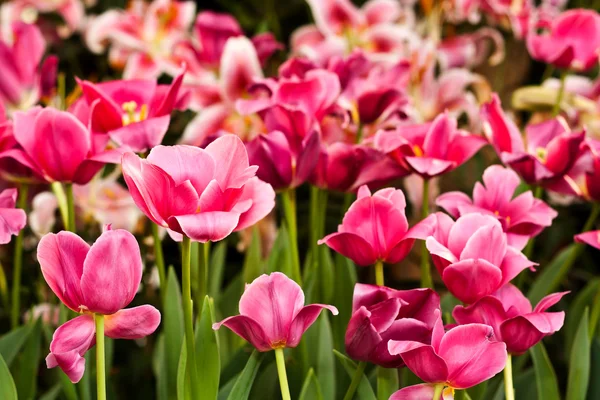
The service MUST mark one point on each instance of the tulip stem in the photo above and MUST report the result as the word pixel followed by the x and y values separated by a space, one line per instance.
pixel 358 374
pixel 100 367
pixel 538 194
pixel 508 380
pixel 159 259
pixel 283 382
pixel 70 207
pixel 379 280
pixel 59 192
pixel 289 209
pixel 188 312
pixel 561 92
pixel 203 258
pixel 437 391
pixel 18 263
pixel 426 281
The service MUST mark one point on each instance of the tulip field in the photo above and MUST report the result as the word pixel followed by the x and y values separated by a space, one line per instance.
pixel 300 199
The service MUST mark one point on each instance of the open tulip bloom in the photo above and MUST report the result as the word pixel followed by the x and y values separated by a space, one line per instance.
pixel 97 282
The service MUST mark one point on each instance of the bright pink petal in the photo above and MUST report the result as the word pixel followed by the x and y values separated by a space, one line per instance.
pixel 487 243
pixel 524 331
pixel 351 246
pixel 206 226
pixel 248 329
pixel 438 136
pixel 436 248
pixel 423 391
pixel 61 257
pixel 231 160
pixel 361 336
pixel 304 319
pixel 464 146
pixel 513 300
pixel 549 301
pixel 470 280
pixel 451 202
pixel 112 272
pixel 591 238
pixel 429 167
pixel 132 323
pixel 465 227
pixel 500 185
pixel 239 67
pixel 487 310
pixel 263 201
pixel 514 262
pixel 12 220
pixel 421 359
pixel 143 135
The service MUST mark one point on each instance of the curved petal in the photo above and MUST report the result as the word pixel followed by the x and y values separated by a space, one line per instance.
pixel 206 226
pixel 112 272
pixel 421 359
pixel 451 202
pixel 423 391
pixel 591 238
pixel 549 301
pixel 239 67
pixel 248 329
pixel 61 257
pixel 361 336
pixel 429 167
pixel 304 319
pixel 231 160
pixel 351 246
pixel 487 243
pixel 487 310
pixel 12 220
pixel 263 201
pixel 470 280
pixel 524 331
pixel 514 262
pixel 143 135
pixel 465 227
pixel 132 323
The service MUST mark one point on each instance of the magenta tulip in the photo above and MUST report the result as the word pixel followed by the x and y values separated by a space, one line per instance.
pixel 375 228
pixel 472 255
pixel 573 41
pixel 12 219
pixel 511 316
pixel 591 238
pixel 98 279
pixel 429 149
pixel 460 358
pixel 521 217
pixel 272 313
pixel 381 314
pixel 204 194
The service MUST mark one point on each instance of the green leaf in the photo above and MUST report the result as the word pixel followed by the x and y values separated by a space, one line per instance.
pixel 207 352
pixel 523 387
pixel 53 393
pixel 243 385
pixel 311 390
pixel 579 362
pixel 387 382
pixel 217 269
pixel 11 343
pixel 266 384
pixel 280 258
pixel 477 392
pixel 318 341
pixel 462 395
pixel 545 377
pixel 573 317
pixel 364 391
pixel 183 383
pixel 8 391
pixel 158 366
pixel 253 264
pixel 552 274
pixel 345 279
pixel 172 326
pixel 26 369
pixel 594 389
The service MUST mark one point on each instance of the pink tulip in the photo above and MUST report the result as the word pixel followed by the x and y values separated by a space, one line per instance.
pixel 591 238
pixel 471 50
pixel 134 113
pixel 472 255
pixel 57 146
pixel 514 322
pixel 272 313
pixel 72 13
pixel 375 228
pixel 381 314
pixel 98 279
pixel 423 391
pixel 522 217
pixel 21 83
pixel 12 170
pixel 552 149
pixel 460 358
pixel 429 149
pixel 12 219
pixel 204 194
pixel 572 40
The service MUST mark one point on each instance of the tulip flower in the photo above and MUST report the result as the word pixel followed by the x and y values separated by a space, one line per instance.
pixel 72 13
pixel 273 317
pixel 204 194
pixel 521 217
pixel 511 316
pixel 552 149
pixel 381 314
pixel 97 282
pixel 472 255
pixel 591 238
pixel 13 219
pixel 375 228
pixel 429 149
pixel 458 359
pixel 134 113
pixel 572 40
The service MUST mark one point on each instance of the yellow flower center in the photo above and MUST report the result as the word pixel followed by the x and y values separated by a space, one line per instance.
pixel 132 114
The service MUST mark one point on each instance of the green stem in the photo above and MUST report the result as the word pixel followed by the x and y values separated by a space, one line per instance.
pixel 18 263
pixel 203 267
pixel 509 391
pixel 100 367
pixel 379 273
pixel 561 93
pixel 437 394
pixel 359 133
pixel 70 207
pixel 188 312
pixel 289 209
pixel 426 281
pixel 283 382
pixel 358 374
pixel 528 251
pixel 61 198
pixel 159 259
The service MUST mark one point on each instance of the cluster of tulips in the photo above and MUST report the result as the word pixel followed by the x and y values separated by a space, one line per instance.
pixel 367 99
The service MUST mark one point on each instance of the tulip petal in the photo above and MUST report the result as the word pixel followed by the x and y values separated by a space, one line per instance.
pixel 351 246
pixel 132 323
pixel 263 201
pixel 487 243
pixel 451 202
pixel 524 331
pixel 549 301
pixel 12 220
pixel 143 135
pixel 248 329
pixel 231 159
pixel 239 67
pixel 591 238
pixel 304 319
pixel 436 248
pixel 361 336
pixel 424 391
pixel 465 227
pixel 470 280
pixel 206 226
pixel 514 262
pixel 421 359
pixel 487 310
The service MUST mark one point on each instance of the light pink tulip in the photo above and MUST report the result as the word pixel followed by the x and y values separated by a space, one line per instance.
pixel 204 194
pixel 272 313
pixel 522 217
pixel 511 316
pixel 472 255
pixel 429 149
pixel 573 40
pixel 12 219
pixel 423 391
pixel 381 314
pixel 72 13
pixel 460 358
pixel 591 238
pixel 375 228
pixel 98 279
